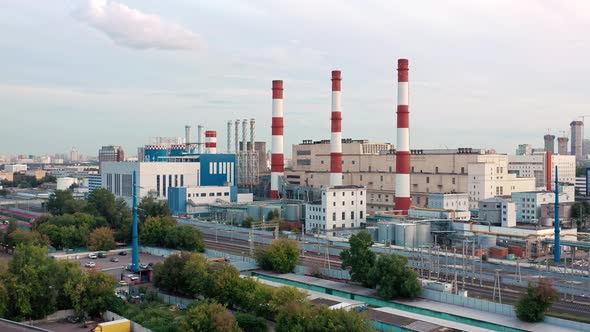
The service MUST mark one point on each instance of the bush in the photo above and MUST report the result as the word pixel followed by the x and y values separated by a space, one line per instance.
pixel 536 302
pixel 281 256
pixel 251 323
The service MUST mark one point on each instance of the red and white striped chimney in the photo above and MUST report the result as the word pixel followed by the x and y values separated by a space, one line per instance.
pixel 211 141
pixel 402 154
pixel 277 159
pixel 336 139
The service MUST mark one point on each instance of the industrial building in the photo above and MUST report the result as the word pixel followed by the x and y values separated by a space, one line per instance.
pixel 341 207
pixel 542 167
pixel 463 170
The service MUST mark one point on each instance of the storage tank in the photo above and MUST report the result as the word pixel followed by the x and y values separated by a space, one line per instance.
pixel 423 236
pixel 254 212
pixel 547 221
pixel 405 235
pixel 268 208
pixel 385 233
pixel 374 231
pixel 486 241
pixel 292 212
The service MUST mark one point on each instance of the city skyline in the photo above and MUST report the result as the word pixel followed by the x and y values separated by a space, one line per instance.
pixel 479 70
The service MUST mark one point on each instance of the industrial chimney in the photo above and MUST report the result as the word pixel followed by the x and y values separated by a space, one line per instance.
pixel 402 154
pixel 336 138
pixel 211 142
pixel 252 133
pixel 237 137
pixel 229 132
pixel 277 159
pixel 187 138
pixel 244 134
pixel 200 139
pixel 562 145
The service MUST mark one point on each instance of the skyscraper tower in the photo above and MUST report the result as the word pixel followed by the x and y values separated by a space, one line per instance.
pixel 577 130
pixel 549 143
pixel 562 145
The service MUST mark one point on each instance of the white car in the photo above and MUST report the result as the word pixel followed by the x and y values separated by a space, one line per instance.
pixel 90 264
pixel 92 255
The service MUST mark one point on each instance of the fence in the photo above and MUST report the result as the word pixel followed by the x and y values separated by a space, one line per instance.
pixel 158 251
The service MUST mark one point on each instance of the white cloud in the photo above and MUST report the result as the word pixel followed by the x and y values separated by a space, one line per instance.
pixel 130 27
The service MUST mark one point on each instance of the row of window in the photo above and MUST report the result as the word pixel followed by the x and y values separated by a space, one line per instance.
pixel 314 226
pixel 164 187
pixel 210 194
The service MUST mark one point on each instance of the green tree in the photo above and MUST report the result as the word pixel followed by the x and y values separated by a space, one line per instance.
pixel 91 292
pixel 286 294
pixel 251 323
pixel 28 279
pixel 168 275
pixel 207 317
pixel 150 207
pixel 393 279
pixel 21 236
pixel 185 237
pixel 56 204
pixel 536 302
pixel 247 223
pixel 102 202
pixel 359 258
pixel 195 273
pixel 223 283
pixel 281 256
pixel 154 229
pixel 102 238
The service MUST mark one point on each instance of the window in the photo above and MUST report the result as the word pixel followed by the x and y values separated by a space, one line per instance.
pixel 436 170
pixel 427 179
pixel 361 178
pixel 334 204
pixel 390 169
pixel 412 169
pixel 218 194
pixel 158 185
pixel 353 162
pixel 351 202
pixel 182 180
pixel 176 180
pixel 463 170
pixel 334 194
pixel 352 215
pixel 225 194
pixel 203 194
pixel 164 185
pixel 343 193
pixel 342 203
pixel 361 214
pixel 361 202
pixel 322 162
pixel 453 180
pixel 343 215
pixel 211 194
pixel 334 216
pixel 381 178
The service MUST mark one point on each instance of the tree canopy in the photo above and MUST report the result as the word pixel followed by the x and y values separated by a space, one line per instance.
pixel 536 302
pixel 102 238
pixel 281 256
pixel 150 207
pixel 393 279
pixel 359 259
pixel 208 316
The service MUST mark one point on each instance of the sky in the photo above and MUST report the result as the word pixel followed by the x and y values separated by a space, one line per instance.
pixel 483 74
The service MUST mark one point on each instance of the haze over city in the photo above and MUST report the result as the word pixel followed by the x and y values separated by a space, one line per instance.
pixel 487 74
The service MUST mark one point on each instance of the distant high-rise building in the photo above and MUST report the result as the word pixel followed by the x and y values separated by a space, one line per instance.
pixel 549 143
pixel 562 145
pixel 74 154
pixel 111 153
pixel 586 147
pixel 577 130
pixel 524 149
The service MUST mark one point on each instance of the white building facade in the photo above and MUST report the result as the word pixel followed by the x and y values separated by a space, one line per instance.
pixel 153 178
pixel 536 166
pixel 447 201
pixel 341 207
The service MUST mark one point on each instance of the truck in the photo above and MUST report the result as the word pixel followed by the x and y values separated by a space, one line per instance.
pixel 119 325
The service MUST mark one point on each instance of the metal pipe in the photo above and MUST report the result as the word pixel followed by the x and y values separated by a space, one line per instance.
pixel 244 134
pixel 252 133
pixel 237 137
pixel 200 139
pixel 187 138
pixel 229 132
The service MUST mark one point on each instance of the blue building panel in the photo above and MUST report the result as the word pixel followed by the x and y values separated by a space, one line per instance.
pixel 155 154
pixel 218 169
pixel 177 199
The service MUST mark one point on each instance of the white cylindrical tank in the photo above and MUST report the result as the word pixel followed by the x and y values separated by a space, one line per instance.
pixel 405 235
pixel 423 235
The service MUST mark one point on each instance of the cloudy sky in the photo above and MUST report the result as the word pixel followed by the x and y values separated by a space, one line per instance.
pixel 487 74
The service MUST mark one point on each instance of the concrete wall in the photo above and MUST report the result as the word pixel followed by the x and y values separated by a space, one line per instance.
pixel 108 316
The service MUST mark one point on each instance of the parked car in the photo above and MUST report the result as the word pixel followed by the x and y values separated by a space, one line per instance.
pixel 123 283
pixel 92 255
pixel 90 264
pixel 123 253
pixel 114 259
pixel 102 255
pixel 143 266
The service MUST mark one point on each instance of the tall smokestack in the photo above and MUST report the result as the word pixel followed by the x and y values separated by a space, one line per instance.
pixel 402 154
pixel 336 138
pixel 229 132
pixel 252 133
pixel 200 139
pixel 187 138
pixel 277 158
pixel 237 137
pixel 211 142
pixel 244 134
